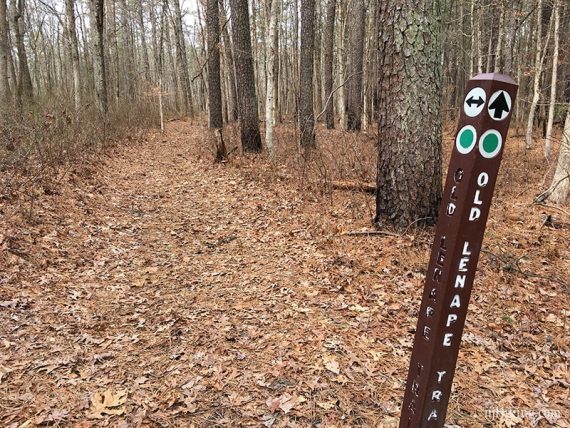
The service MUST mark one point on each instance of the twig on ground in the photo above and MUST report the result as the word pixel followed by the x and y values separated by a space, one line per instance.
pixel 370 233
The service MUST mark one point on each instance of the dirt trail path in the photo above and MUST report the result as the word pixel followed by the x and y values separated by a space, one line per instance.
pixel 181 293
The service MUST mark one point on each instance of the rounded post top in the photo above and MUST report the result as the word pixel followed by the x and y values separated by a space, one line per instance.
pixel 495 76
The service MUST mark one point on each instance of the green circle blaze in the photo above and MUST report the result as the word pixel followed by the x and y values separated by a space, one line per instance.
pixel 490 143
pixel 466 138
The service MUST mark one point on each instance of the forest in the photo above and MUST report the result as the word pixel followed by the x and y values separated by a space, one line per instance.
pixel 224 212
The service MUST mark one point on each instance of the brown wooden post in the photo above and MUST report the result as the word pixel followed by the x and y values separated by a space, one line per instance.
pixel 471 177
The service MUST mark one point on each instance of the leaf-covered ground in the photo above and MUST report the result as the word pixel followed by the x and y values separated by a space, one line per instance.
pixel 163 290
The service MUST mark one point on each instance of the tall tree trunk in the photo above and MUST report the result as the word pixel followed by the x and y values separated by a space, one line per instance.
pixel 271 59
pixel 478 43
pixel 214 81
pixel 355 70
pixel 74 47
pixel 229 62
pixel 500 37
pixel 510 29
pixel 473 35
pixel 561 181
pixel 276 68
pixel 155 39
pixel 536 82
pixel 328 63
pixel 182 59
pixel 245 77
pixel 99 64
pixel 553 81
pixel 25 86
pixel 144 46
pixel 317 76
pixel 128 53
pixel 341 59
pixel 410 128
pixel 306 112
pixel 4 84
pixel 114 57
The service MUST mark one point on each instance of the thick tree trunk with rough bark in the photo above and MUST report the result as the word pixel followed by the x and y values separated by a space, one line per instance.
pixel 214 81
pixel 410 128
pixel 306 112
pixel 97 21
pixel 4 84
pixel 245 77
pixel 328 63
pixel 356 58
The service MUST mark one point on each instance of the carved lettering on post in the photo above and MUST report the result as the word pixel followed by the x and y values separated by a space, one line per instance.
pixel 471 177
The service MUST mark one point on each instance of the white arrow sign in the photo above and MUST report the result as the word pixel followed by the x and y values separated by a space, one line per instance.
pixel 500 105
pixel 474 102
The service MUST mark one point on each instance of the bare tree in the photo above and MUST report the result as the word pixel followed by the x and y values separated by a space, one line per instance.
pixel 410 128
pixel 214 81
pixel 358 23
pixel 306 113
pixel 538 61
pixel 341 60
pixel 25 91
pixel 144 47
pixel 328 63
pixel 182 59
pixel 4 84
pixel 553 81
pixel 501 30
pixel 230 69
pixel 558 192
pixel 100 66
pixel 270 91
pixel 74 48
pixel 245 78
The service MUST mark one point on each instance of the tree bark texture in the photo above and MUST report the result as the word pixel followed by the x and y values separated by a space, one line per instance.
pixel 271 59
pixel 229 62
pixel 245 77
pixel 328 63
pixel 561 181
pixel 410 128
pixel 182 59
pixel 99 63
pixel 4 84
pixel 25 87
pixel 553 81
pixel 214 81
pixel 306 113
pixel 74 48
pixel 356 57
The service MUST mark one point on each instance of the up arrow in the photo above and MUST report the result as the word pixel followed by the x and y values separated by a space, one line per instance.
pixel 477 101
pixel 500 106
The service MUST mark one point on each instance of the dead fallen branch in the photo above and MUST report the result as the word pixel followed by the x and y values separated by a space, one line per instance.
pixel 354 186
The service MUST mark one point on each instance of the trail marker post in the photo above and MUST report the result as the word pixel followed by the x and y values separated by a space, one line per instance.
pixel 471 177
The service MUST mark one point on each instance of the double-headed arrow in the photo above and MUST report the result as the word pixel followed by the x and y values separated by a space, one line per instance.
pixel 477 101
